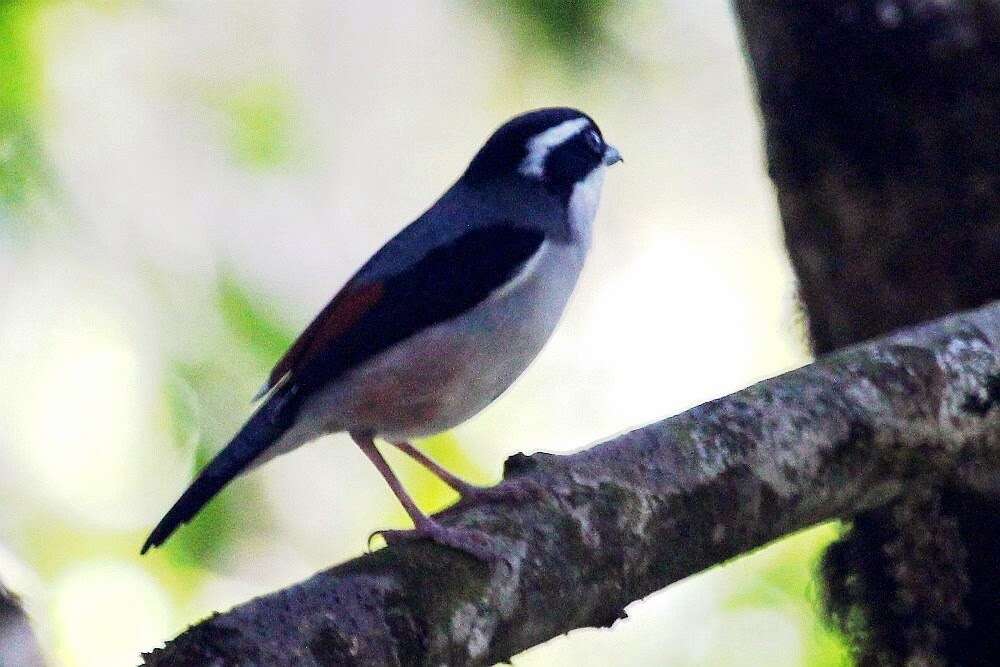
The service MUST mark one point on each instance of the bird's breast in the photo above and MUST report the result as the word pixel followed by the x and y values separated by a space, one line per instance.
pixel 445 374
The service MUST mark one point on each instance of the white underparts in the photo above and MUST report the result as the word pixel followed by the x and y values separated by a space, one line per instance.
pixel 583 202
pixel 542 144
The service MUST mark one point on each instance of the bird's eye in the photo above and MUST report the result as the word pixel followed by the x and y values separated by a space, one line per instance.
pixel 594 141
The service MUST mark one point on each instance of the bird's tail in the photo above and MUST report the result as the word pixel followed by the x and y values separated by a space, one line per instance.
pixel 263 429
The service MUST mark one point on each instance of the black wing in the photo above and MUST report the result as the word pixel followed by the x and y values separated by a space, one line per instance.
pixel 442 285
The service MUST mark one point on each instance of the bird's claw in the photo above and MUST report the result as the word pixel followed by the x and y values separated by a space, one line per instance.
pixel 517 490
pixel 476 543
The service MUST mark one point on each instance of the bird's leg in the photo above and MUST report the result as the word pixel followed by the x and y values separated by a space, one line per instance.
pixel 512 490
pixel 367 446
pixel 457 483
pixel 472 542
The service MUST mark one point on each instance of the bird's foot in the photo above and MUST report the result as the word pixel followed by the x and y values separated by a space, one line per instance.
pixel 476 543
pixel 517 490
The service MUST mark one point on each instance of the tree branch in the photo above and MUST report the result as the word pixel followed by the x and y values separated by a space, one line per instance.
pixel 881 120
pixel 645 509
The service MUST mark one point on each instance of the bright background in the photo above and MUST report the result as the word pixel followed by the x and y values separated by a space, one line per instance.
pixel 184 184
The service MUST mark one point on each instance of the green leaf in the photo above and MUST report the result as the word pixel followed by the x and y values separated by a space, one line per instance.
pixel 261 127
pixel 22 168
pixel 575 32
pixel 253 322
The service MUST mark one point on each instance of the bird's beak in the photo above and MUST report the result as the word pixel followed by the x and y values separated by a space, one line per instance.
pixel 612 156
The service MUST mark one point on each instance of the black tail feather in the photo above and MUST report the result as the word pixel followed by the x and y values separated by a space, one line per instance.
pixel 263 429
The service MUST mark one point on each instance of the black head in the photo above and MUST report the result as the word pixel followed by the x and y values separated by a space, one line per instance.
pixel 556 148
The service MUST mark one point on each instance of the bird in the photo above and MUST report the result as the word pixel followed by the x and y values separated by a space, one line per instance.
pixel 438 323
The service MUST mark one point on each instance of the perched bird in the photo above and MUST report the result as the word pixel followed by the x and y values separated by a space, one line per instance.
pixel 439 322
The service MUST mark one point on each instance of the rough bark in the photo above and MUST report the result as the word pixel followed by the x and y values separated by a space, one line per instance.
pixel 629 516
pixel 882 118
pixel 17 642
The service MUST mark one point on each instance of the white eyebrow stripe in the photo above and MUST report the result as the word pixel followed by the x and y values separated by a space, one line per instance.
pixel 544 142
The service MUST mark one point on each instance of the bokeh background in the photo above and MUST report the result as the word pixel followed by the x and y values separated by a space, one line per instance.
pixel 184 184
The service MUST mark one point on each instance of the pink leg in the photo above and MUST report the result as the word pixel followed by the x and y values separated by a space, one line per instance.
pixel 367 446
pixel 457 483
pixel 468 540
pixel 514 490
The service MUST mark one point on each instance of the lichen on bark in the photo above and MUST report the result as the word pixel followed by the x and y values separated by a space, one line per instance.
pixel 627 517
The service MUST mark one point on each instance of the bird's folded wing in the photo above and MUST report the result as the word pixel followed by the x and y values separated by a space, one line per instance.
pixel 368 316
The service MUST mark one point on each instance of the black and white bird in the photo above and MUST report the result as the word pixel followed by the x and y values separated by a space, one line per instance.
pixel 440 321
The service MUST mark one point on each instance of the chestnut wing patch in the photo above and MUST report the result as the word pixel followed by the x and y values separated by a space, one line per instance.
pixel 332 322
pixel 369 318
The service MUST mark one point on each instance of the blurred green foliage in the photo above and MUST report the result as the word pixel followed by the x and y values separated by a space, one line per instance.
pixel 200 541
pixel 254 323
pixel 21 164
pixel 195 395
pixel 256 331
pixel 574 32
pixel 259 118
pixel 788 581
pixel 261 127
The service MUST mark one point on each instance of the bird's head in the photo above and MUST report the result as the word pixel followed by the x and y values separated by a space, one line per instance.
pixel 555 148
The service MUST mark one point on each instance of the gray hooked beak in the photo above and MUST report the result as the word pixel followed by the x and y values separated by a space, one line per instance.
pixel 612 156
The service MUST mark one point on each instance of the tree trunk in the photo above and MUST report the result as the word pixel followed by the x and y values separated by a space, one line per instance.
pixel 882 124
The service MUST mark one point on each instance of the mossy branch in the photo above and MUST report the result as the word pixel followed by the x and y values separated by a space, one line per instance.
pixel 633 514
